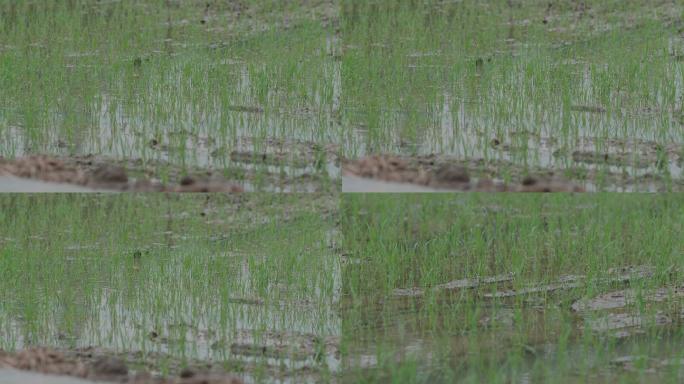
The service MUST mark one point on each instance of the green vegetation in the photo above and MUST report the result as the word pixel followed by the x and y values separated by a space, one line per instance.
pixel 173 279
pixel 591 89
pixel 166 81
pixel 507 288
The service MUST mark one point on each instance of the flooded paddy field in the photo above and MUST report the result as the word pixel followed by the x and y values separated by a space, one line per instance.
pixel 589 92
pixel 170 288
pixel 247 90
pixel 513 288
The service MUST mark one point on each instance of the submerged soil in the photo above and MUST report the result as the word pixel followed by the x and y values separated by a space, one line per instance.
pixel 448 174
pixel 621 312
pixel 280 349
pixel 102 367
pixel 96 173
pixel 312 171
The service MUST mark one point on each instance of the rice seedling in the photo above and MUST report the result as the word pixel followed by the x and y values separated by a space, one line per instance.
pixel 171 84
pixel 246 284
pixel 590 90
pixel 509 288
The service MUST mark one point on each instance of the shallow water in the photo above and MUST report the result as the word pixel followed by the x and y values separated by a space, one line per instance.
pixel 572 291
pixel 10 184
pixel 186 90
pixel 181 286
pixel 602 344
pixel 353 184
pixel 491 81
pixel 13 376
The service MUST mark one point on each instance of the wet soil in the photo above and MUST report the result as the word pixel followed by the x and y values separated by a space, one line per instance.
pixel 442 173
pixel 277 152
pixel 98 173
pixel 525 161
pixel 104 174
pixel 102 367
pixel 285 345
pixel 282 356
pixel 623 298
pixel 455 285
pixel 504 282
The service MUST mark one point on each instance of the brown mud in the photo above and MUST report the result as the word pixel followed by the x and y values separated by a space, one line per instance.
pixel 96 173
pixel 276 152
pixel 246 350
pixel 102 367
pixel 455 285
pixel 285 345
pixel 448 174
pixel 136 176
pixel 585 163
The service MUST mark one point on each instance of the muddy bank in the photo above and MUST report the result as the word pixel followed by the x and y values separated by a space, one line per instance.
pixel 100 367
pixel 446 174
pixel 103 174
pixel 511 163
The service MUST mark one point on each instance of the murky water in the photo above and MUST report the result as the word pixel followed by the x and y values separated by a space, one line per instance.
pixel 566 297
pixel 490 332
pixel 353 184
pixel 490 82
pixel 10 184
pixel 177 289
pixel 290 334
pixel 13 376
pixel 185 92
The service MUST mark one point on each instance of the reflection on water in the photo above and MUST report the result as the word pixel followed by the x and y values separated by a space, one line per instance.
pixel 12 376
pixel 10 184
pixel 239 280
pixel 471 130
pixel 195 80
pixel 492 83
pixel 454 335
pixel 162 310
pixel 172 129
